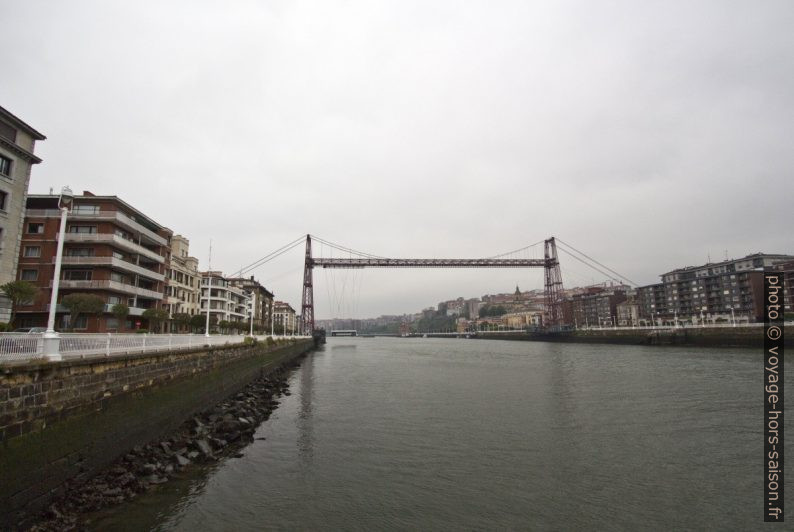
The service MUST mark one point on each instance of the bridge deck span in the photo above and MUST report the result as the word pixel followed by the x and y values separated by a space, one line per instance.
pixel 427 263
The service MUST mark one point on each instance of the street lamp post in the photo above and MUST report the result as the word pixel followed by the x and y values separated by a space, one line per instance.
pixel 52 342
pixel 733 317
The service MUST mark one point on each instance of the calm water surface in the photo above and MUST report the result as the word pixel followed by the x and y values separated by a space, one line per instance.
pixel 387 433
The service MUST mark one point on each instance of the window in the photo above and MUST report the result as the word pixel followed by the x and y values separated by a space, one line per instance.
pixel 77 275
pixel 118 277
pixel 118 255
pixel 5 166
pixel 114 300
pixel 112 323
pixel 80 252
pixel 80 323
pixel 29 275
pixel 32 251
pixel 85 209
pixel 82 229
pixel 3 200
pixel 35 228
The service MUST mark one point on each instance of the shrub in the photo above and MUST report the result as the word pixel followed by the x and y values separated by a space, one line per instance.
pixel 79 303
pixel 142 331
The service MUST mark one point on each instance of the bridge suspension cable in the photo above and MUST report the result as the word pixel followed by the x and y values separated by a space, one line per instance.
pixel 616 277
pixel 345 249
pixel 270 256
pixel 517 250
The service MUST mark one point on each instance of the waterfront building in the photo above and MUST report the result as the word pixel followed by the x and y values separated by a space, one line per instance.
pixel 284 317
pixel 628 311
pixel 183 280
pixel 788 286
pixel 719 292
pixel 111 250
pixel 262 301
pixel 523 319
pixel 17 144
pixel 652 304
pixel 596 306
pixel 227 302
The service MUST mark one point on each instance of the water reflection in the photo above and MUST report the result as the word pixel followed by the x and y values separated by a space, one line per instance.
pixel 304 419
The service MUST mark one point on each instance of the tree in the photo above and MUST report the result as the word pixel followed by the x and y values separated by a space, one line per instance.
pixel 223 325
pixel 198 322
pixel 182 320
pixel 120 311
pixel 155 317
pixel 492 310
pixel 79 303
pixel 20 293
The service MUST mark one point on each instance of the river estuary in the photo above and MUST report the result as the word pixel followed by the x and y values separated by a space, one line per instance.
pixel 388 433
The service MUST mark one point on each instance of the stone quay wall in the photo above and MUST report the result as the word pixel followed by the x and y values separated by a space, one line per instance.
pixel 684 336
pixel 67 420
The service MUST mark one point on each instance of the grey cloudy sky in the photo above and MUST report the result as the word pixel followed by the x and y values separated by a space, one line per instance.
pixel 648 134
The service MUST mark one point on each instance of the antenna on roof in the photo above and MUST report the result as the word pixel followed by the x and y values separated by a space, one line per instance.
pixel 726 254
pixel 708 259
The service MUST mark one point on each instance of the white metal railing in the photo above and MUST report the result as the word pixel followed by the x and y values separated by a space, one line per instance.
pixel 20 347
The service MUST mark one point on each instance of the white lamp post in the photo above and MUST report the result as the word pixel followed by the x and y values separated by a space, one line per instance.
pixel 52 342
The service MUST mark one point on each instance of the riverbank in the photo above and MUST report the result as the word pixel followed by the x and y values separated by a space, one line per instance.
pixel 210 436
pixel 683 336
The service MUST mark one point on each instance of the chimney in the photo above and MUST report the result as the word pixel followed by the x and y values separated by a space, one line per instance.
pixel 88 194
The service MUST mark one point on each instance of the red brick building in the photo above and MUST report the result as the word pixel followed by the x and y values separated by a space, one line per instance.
pixel 111 250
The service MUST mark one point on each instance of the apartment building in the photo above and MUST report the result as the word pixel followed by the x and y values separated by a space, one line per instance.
pixel 17 144
pixel 597 306
pixel 628 311
pixel 727 290
pixel 652 303
pixel 111 250
pixel 285 319
pixel 227 302
pixel 183 281
pixel 262 300
pixel 788 286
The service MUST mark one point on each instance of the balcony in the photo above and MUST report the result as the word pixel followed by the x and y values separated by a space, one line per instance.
pixel 115 216
pixel 115 240
pixel 114 286
pixel 134 311
pixel 112 262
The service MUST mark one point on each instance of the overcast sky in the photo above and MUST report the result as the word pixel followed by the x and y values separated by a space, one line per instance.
pixel 649 135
